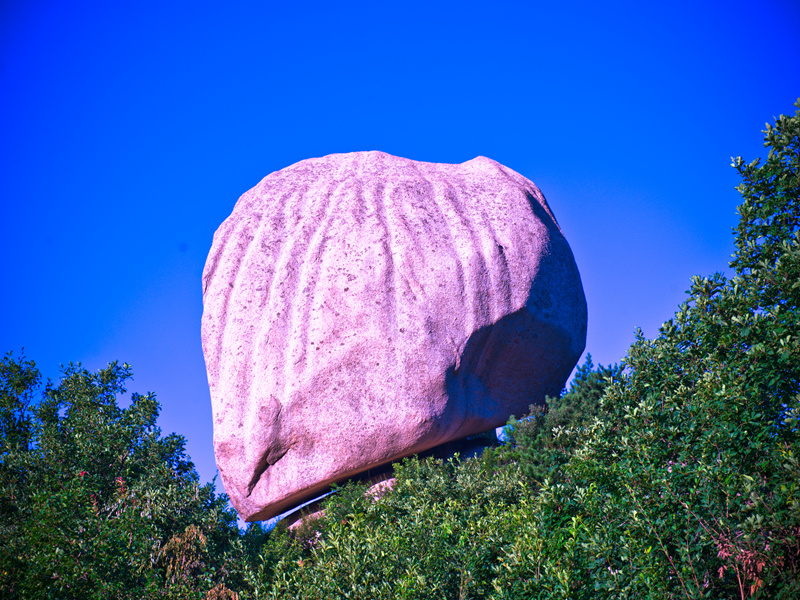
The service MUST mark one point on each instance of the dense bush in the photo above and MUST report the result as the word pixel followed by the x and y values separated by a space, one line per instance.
pixel 95 502
pixel 545 440
pixel 436 535
pixel 688 484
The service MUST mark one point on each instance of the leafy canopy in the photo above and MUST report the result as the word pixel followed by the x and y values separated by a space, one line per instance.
pixel 95 502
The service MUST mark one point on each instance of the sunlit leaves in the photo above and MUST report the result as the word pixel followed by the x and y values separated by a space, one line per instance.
pixel 99 504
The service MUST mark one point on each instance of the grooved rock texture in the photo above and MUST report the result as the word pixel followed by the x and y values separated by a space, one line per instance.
pixel 362 307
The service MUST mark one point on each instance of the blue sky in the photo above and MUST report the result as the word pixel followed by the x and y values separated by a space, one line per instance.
pixel 129 129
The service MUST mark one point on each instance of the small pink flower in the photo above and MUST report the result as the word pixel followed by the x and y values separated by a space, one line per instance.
pixel 81 474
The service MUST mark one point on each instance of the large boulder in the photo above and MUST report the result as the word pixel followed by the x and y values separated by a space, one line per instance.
pixel 362 307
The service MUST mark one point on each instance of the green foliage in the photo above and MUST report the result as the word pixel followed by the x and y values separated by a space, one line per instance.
pixel 688 487
pixel 546 439
pixel 96 503
pixel 436 535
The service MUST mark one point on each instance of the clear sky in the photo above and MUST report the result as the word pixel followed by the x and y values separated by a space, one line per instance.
pixel 129 129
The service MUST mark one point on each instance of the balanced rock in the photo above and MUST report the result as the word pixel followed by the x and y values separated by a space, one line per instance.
pixel 362 307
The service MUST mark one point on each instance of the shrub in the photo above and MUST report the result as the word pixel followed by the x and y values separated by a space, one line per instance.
pixel 688 485
pixel 95 502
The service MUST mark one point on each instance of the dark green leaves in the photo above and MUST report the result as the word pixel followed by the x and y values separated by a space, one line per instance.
pixel 98 504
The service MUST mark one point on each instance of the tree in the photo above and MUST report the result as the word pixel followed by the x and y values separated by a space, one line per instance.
pixel 690 485
pixel 95 502
pixel 437 534
pixel 544 440
pixel 19 380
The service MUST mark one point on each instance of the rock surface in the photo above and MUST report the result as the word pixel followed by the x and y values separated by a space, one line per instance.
pixel 363 307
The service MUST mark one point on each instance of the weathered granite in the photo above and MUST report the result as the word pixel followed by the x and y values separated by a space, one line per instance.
pixel 363 307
